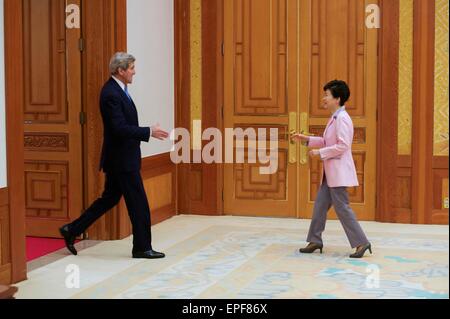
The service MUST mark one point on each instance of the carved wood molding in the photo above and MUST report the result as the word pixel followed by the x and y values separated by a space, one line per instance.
pixel 359 136
pixel 46 142
pixel 282 130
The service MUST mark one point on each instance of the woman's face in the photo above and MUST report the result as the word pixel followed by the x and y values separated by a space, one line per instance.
pixel 329 102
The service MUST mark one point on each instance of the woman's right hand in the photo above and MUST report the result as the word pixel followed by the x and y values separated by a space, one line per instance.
pixel 299 137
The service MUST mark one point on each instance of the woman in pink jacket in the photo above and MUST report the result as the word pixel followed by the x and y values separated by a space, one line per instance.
pixel 335 150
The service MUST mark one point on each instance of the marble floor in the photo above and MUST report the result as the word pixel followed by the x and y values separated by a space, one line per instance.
pixel 250 258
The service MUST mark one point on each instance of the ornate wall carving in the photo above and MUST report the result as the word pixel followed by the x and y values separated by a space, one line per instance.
pixel 46 142
pixel 441 86
pixel 405 76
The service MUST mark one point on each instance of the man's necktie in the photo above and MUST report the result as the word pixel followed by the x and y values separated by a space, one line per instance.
pixel 126 92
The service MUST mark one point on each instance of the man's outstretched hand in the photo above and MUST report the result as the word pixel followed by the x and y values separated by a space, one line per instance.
pixel 159 133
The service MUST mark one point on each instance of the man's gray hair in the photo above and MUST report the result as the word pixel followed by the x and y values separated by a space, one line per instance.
pixel 120 60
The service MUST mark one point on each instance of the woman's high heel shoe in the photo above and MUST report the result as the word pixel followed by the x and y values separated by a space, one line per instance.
pixel 361 251
pixel 311 248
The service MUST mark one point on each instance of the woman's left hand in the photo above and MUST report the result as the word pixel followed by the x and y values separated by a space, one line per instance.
pixel 314 153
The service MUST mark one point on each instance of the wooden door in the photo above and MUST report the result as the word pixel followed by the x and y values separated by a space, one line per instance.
pixel 52 106
pixel 260 91
pixel 278 56
pixel 335 44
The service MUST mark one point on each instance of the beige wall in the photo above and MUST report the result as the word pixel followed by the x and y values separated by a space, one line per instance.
pixel 150 34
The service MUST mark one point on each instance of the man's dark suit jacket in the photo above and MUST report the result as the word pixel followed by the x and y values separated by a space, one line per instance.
pixel 122 135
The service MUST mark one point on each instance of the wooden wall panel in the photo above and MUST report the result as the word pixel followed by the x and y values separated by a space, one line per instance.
pixel 45 61
pixel 260 91
pixel 196 183
pixel 5 244
pixel 260 57
pixel 440 180
pixel 394 170
pixel 388 84
pixel 104 32
pixel 250 184
pixel 411 189
pixel 401 205
pixel 209 193
pixel 52 104
pixel 159 190
pixel 423 114
pixel 160 180
pixel 199 185
pixel 14 94
pixel 336 44
pixel 182 92
pixel 5 274
pixel 338 26
pixel 47 189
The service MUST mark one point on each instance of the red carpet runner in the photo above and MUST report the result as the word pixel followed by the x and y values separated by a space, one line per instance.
pixel 38 247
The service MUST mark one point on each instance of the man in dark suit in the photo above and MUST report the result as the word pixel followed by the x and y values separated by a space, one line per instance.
pixel 121 161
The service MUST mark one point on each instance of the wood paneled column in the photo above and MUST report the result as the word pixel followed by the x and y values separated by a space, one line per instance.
pixel 423 111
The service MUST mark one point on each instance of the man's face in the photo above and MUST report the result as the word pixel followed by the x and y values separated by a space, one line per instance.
pixel 127 75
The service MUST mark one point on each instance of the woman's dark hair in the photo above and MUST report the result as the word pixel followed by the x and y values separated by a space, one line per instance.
pixel 339 89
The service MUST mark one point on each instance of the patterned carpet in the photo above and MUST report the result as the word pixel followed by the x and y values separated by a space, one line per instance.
pixel 242 258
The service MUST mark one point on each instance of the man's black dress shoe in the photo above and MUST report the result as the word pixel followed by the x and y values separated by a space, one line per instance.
pixel 149 254
pixel 69 239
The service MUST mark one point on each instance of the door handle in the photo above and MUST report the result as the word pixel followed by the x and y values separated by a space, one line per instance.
pixel 292 145
pixel 291 132
pixel 304 128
